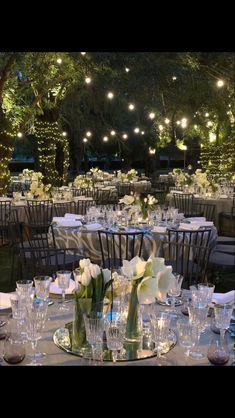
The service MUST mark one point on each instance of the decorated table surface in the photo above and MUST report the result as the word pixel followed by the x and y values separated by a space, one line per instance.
pixel 57 357
pixel 223 204
pixel 88 240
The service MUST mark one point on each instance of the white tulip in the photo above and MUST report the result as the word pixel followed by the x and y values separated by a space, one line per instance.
pixel 86 277
pixel 106 275
pixel 94 270
pixel 85 262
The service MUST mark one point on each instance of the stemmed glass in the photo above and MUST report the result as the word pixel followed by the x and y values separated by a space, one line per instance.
pixel 197 318
pixel 187 335
pixel 63 277
pixel 223 315
pixel 160 325
pixel 174 290
pixel 94 325
pixel 42 287
pixel 115 333
pixel 36 317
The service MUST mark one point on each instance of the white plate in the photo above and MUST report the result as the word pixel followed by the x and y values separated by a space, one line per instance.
pixel 5 302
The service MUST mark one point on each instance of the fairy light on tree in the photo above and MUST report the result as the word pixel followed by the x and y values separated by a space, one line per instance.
pixel 220 83
pixel 83 53
pixel 113 133
pixel 85 140
pixel 110 95
pixel 125 136
pixel 19 134
pixel 105 139
pixel 136 130
pixel 59 61
pixel 127 69
pixel 131 106
pixel 88 134
pixel 64 133
pixel 152 115
pixel 88 80
pixel 167 121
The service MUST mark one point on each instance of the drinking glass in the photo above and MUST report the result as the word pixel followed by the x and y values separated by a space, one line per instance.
pixel 63 277
pixel 42 287
pixel 174 289
pixel 208 289
pixel 198 319
pixel 94 325
pixel 24 285
pixel 36 317
pixel 186 335
pixel 115 333
pixel 223 315
pixel 160 325
pixel 14 347
pixel 218 352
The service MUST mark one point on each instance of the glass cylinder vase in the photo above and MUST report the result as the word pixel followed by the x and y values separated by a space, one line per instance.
pixel 133 328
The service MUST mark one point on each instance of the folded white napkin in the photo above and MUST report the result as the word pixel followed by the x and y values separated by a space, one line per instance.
pixel 93 227
pixel 5 300
pixel 224 297
pixel 201 223
pixel 73 216
pixel 159 229
pixel 66 222
pixel 197 218
pixel 189 227
pixel 82 198
pixel 54 288
pixel 223 196
pixel 176 191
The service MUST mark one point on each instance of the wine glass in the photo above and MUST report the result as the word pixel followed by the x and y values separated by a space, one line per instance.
pixel 94 325
pixel 23 286
pixel 186 335
pixel 223 315
pixel 174 290
pixel 42 287
pixel 115 333
pixel 36 317
pixel 63 277
pixel 197 318
pixel 160 325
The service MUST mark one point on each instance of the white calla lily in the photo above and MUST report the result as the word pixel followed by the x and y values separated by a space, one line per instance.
pixel 163 281
pixel 146 290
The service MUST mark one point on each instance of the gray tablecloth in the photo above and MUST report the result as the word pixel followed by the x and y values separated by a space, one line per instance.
pixel 221 205
pixel 56 357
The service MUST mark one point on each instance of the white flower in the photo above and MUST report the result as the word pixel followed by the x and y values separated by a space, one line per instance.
pixel 106 275
pixel 163 281
pixel 127 200
pixel 85 262
pixel 146 290
pixel 94 270
pixel 135 268
pixel 86 277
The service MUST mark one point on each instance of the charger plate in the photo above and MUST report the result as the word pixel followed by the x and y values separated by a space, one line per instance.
pixel 131 351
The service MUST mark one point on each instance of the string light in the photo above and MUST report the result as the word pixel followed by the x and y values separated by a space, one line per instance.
pixel 19 134
pixel 152 150
pixel 131 106
pixel 151 115
pixel 167 121
pixel 88 134
pixel 125 136
pixel 127 69
pixel 174 78
pixel 110 95
pixel 212 137
pixel 136 130
pixel 59 61
pixel 105 139
pixel 88 80
pixel 220 83
pixel 161 127
pixel 83 53
pixel 209 123
pixel 85 139
pixel 178 122
pixel 113 133
pixel 142 132
pixel 64 133
pixel 206 114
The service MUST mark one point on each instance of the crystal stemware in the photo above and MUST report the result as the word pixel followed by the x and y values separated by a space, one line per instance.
pixel 223 315
pixel 94 325
pixel 115 333
pixel 63 277
pixel 174 290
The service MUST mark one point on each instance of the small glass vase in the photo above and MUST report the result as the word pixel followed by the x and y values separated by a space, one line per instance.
pixel 133 328
pixel 81 307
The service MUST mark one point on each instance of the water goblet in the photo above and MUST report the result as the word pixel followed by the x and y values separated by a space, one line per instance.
pixel 186 335
pixel 42 287
pixel 115 333
pixel 174 290
pixel 197 318
pixel 63 277
pixel 24 285
pixel 160 325
pixel 36 317
pixel 94 325
pixel 223 315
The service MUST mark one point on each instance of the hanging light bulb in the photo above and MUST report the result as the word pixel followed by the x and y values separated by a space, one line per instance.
pixel 19 134
pixel 88 134
pixel 127 69
pixel 167 121
pixel 220 83
pixel 59 61
pixel 64 133
pixel 124 136
pixel 136 130
pixel 113 133
pixel 83 53
pixel 88 80
pixel 105 139
pixel 151 115
pixel 110 95
pixel 131 106
pixel 85 140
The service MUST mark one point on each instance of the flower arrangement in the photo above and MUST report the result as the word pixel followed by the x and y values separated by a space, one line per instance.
pixel 136 204
pixel 182 178
pixel 93 283
pixel 83 182
pixel 38 190
pixel 27 173
pixel 150 280
pixel 100 174
pixel 129 176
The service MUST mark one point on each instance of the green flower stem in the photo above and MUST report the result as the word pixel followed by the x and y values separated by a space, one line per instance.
pixel 132 317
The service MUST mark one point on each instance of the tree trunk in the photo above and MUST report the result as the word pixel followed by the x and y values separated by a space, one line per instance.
pixel 6 149
pixel 52 148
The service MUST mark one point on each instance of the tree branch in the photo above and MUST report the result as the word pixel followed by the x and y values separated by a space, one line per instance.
pixel 5 75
